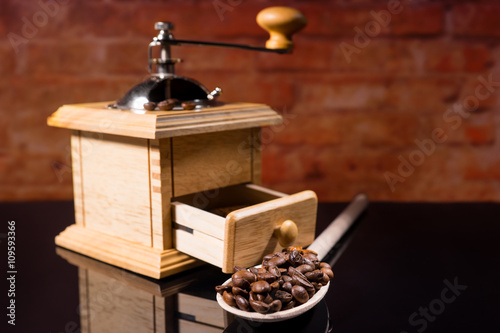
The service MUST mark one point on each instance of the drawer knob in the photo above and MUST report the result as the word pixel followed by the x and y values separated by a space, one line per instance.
pixel 286 233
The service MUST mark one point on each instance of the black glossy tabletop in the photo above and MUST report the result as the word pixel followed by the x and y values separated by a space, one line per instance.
pixel 405 267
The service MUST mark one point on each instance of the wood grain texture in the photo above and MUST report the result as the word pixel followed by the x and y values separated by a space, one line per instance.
pixel 135 257
pixel 160 173
pixel 208 161
pixel 201 220
pixel 256 156
pixel 96 117
pixel 116 186
pixel 249 232
pixel 76 161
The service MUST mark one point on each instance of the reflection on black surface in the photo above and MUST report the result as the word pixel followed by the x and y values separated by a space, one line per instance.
pixel 115 300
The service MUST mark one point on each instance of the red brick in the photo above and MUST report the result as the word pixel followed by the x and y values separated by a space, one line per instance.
pixel 311 130
pixel 309 53
pixel 319 93
pixel 32 21
pixel 3 18
pixel 426 94
pixel 54 57
pixel 128 56
pixel 85 18
pixel 421 20
pixel 380 56
pixel 215 58
pixel 372 92
pixel 8 62
pixel 442 56
pixel 476 96
pixel 276 89
pixel 282 164
pixel 200 21
pixel 482 165
pixel 472 19
pixel 338 20
pixel 476 129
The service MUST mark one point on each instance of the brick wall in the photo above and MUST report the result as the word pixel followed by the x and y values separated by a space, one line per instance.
pixel 395 99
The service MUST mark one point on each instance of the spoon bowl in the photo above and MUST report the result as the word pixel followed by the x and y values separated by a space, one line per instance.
pixel 321 245
pixel 275 316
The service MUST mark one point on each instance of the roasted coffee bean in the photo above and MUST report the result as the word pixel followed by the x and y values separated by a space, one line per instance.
pixel 229 298
pixel 324 264
pixel 239 282
pixel 274 271
pixel 306 261
pixel 275 285
pixel 275 306
pixel 259 306
pixel 224 287
pixel 266 276
pixel 277 261
pixel 268 257
pixel 299 279
pixel 287 286
pixel 256 297
pixel 287 278
pixel 239 291
pixel 316 285
pixel 188 105
pixel 242 303
pixel 288 305
pixel 304 268
pixel 268 299
pixel 150 106
pixel 244 274
pixel 300 294
pixel 254 270
pixel 295 258
pixel 324 280
pixel 311 291
pixel 283 296
pixel 327 271
pixel 315 275
pixel 261 270
pixel 310 255
pixel 261 287
pixel 165 106
pixel 238 268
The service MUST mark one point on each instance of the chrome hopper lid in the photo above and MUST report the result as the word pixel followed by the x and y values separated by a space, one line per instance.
pixel 164 90
pixel 163 84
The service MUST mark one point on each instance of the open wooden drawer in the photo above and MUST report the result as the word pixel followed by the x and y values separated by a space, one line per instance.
pixel 238 225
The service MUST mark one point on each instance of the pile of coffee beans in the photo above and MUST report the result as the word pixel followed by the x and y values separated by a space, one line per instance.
pixel 285 280
pixel 168 105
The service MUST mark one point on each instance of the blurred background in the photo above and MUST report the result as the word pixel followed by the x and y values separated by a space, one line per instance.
pixel 397 99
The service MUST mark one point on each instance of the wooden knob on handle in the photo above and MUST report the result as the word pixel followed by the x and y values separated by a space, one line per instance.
pixel 281 23
pixel 286 233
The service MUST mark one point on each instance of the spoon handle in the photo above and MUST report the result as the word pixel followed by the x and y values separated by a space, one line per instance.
pixel 338 227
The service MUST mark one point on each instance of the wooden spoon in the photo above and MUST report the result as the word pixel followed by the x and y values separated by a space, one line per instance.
pixel 321 245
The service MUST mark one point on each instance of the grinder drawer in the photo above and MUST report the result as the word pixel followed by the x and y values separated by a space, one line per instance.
pixel 238 225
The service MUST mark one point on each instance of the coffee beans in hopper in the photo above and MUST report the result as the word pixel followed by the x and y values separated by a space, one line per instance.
pixel 286 279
